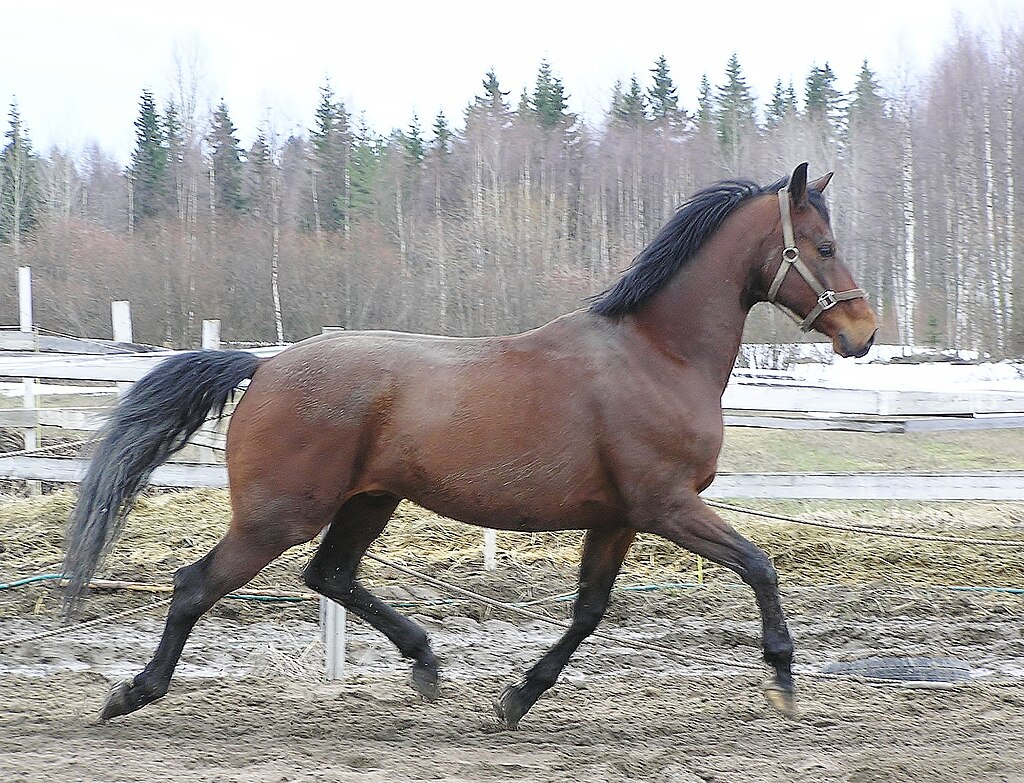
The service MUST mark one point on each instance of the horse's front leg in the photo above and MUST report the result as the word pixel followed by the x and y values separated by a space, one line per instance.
pixel 687 521
pixel 603 552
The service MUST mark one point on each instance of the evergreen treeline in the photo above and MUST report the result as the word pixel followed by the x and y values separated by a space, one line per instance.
pixel 521 210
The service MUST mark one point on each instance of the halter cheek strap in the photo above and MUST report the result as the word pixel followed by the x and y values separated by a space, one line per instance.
pixel 827 299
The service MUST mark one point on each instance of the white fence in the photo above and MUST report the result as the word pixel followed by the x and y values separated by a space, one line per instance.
pixel 751 399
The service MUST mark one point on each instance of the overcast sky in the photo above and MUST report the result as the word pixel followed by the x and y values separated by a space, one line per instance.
pixel 76 68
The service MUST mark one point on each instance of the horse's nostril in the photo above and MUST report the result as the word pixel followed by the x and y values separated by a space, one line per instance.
pixel 866 347
pixel 844 344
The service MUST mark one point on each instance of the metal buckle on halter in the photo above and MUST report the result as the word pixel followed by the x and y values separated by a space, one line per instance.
pixel 827 300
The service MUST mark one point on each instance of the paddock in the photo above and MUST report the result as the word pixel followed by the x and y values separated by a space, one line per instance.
pixel 251 702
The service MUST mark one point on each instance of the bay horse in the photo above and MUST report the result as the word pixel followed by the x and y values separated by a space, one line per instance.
pixel 606 420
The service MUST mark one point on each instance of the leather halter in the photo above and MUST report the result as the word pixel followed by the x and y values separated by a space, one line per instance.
pixel 827 298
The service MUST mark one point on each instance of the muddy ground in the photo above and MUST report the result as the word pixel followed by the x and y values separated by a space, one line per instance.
pixel 249 702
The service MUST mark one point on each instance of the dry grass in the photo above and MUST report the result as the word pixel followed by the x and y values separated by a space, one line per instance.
pixel 171 529
pixel 295 658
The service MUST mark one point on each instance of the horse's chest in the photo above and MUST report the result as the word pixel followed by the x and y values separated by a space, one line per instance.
pixel 686 427
pixel 696 445
pixel 677 444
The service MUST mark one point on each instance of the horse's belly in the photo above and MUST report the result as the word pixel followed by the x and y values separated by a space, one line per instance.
pixel 509 492
pixel 517 512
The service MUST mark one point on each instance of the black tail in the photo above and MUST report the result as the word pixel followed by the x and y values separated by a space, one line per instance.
pixel 153 421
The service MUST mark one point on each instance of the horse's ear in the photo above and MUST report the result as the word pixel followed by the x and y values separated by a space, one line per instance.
pixel 798 186
pixel 822 183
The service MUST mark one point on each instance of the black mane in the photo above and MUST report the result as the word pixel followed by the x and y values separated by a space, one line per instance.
pixel 695 221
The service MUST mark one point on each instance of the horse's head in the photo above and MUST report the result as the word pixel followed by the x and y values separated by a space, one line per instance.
pixel 804 275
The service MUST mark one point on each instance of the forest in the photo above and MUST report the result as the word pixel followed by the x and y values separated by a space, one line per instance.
pixel 517 211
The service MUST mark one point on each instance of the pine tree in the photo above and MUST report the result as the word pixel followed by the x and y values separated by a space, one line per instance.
pixel 332 147
pixel 664 101
pixel 782 106
pixel 364 166
pixel 493 99
pixel 442 134
pixel 174 150
pixel 258 170
pixel 549 101
pixel 226 160
pixel 629 108
pixel 873 165
pixel 616 110
pixel 707 109
pixel 735 111
pixel 412 140
pixel 775 111
pixel 20 196
pixel 525 106
pixel 866 100
pixel 149 170
pixel 791 105
pixel 823 102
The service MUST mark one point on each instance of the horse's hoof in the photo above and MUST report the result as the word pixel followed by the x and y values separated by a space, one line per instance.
pixel 117 701
pixel 780 697
pixel 424 680
pixel 510 707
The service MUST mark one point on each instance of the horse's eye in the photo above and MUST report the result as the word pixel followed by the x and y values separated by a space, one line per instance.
pixel 826 251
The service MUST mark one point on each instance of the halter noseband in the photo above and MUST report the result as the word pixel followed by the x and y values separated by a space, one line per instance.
pixel 827 299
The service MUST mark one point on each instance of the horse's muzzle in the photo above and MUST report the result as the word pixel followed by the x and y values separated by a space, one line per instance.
pixel 848 349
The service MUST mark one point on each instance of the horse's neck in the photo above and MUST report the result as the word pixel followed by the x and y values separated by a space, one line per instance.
pixel 698 316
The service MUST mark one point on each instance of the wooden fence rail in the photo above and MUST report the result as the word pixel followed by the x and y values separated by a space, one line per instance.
pixel 937 486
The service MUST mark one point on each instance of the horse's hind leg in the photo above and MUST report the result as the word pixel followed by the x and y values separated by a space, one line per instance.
pixel 236 559
pixel 694 526
pixel 603 553
pixel 332 573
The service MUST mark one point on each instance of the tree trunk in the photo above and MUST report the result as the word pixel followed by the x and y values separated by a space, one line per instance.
pixel 478 208
pixel 442 271
pixel 131 206
pixel 213 211
pixel 400 220
pixel 193 253
pixel 527 188
pixel 317 223
pixel 1010 240
pixel 996 299
pixel 909 303
pixel 346 221
pixel 275 252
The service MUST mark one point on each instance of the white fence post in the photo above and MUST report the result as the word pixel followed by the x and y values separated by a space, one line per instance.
pixel 25 298
pixel 121 321
pixel 332 633
pixel 490 549
pixel 29 393
pixel 211 342
pixel 211 334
